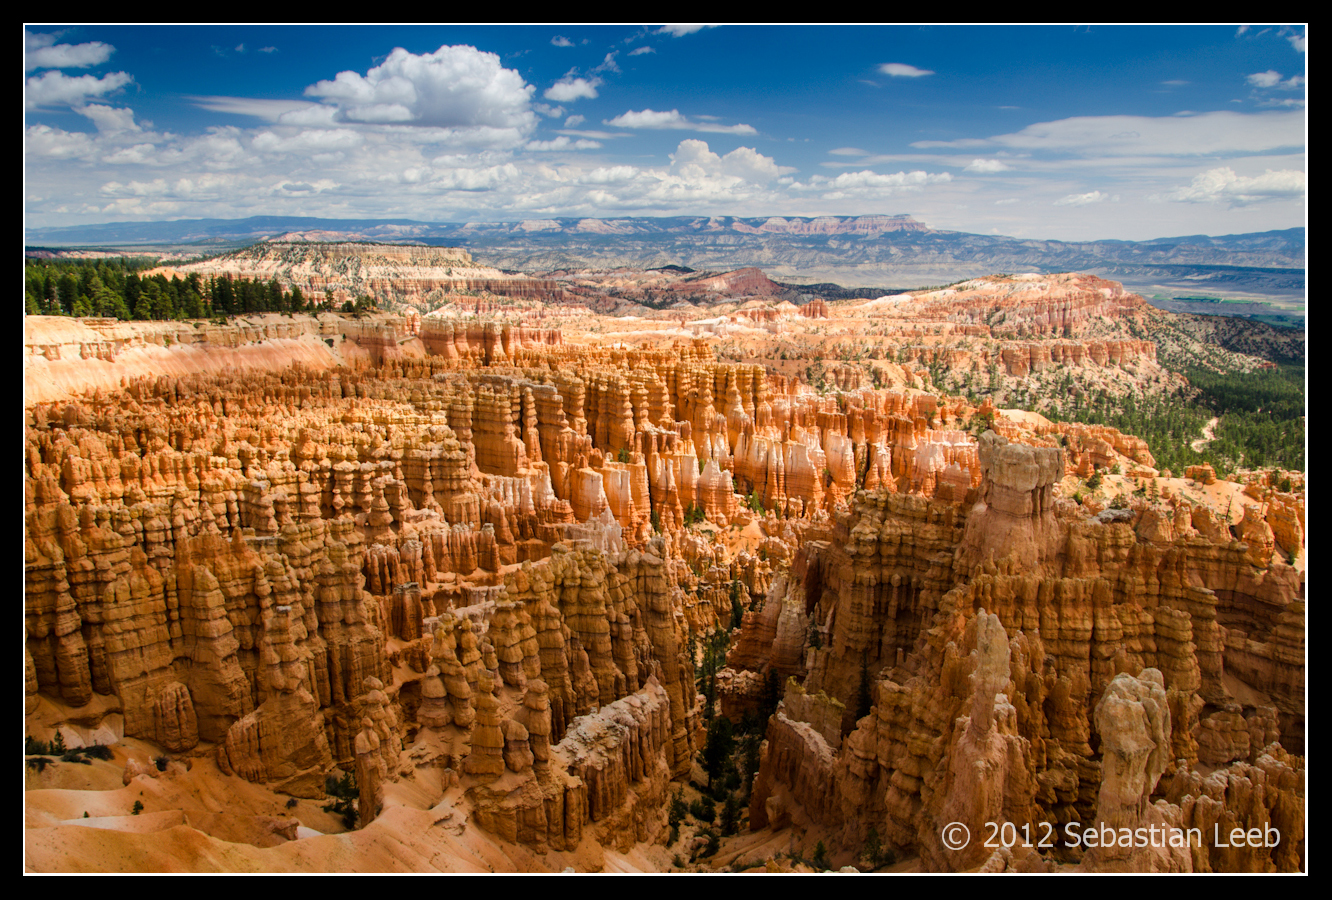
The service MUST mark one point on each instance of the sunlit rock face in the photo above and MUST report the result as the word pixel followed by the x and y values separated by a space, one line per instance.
pixel 493 550
pixel 1123 685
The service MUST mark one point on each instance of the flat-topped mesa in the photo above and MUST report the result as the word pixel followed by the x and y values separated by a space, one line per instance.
pixel 367 253
pixel 407 273
pixel 1035 305
pixel 860 225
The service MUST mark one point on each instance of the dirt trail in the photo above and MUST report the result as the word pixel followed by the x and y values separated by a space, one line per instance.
pixel 1209 435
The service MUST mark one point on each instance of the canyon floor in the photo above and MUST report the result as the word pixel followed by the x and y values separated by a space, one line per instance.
pixel 650 571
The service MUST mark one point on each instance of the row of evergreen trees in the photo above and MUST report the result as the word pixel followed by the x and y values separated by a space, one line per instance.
pixel 116 289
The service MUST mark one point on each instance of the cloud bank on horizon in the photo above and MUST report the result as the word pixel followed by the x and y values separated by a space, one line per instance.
pixel 1126 132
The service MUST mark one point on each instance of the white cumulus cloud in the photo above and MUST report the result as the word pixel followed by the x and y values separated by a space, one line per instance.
pixel 562 143
pixel 694 160
pixel 868 179
pixel 1082 199
pixel 454 88
pixel 1223 185
pixel 567 90
pixel 985 166
pixel 59 89
pixel 110 120
pixel 649 118
pixel 45 142
pixel 40 51
pixel 902 70
pixel 1272 79
pixel 681 30
pixel 308 142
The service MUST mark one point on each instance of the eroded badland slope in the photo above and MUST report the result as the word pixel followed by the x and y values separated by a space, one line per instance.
pixel 510 564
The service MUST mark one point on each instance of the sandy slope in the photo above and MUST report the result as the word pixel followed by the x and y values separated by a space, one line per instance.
pixel 196 819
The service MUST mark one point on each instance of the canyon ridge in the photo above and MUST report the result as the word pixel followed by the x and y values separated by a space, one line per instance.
pixel 615 568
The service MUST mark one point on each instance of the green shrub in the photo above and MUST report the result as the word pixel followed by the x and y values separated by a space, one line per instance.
pixel 737 608
pixel 345 793
pixel 873 849
pixel 730 817
pixel 717 750
pixel 678 810
pixel 704 809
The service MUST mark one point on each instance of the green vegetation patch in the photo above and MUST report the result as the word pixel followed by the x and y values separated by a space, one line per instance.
pixel 1261 419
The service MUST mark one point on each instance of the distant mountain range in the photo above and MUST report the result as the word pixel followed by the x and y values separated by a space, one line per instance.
pixel 878 250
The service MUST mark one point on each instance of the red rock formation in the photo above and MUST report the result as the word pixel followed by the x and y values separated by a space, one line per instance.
pixel 484 548
pixel 1085 602
pixel 749 282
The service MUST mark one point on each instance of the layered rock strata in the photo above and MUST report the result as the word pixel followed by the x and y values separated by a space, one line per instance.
pixel 479 558
pixel 897 603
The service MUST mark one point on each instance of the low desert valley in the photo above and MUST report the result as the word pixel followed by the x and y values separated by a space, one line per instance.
pixel 652 570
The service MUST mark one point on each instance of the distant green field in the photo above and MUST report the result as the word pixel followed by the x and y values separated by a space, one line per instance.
pixel 1207 298
pixel 1285 313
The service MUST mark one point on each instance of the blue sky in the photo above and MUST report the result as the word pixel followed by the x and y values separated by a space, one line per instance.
pixel 1043 132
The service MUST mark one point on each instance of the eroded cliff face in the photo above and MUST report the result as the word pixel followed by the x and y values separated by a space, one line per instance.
pixel 487 551
pixel 992 637
pixel 301 569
